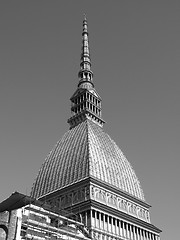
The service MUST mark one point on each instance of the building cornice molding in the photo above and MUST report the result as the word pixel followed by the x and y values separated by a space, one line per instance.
pixel 124 216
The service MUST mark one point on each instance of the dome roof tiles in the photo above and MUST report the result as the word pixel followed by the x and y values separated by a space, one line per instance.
pixel 86 151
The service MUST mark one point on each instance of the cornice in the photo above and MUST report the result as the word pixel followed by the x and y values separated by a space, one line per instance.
pixel 100 207
pixel 118 191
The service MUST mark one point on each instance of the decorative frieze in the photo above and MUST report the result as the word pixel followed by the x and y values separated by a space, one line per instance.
pixel 118 202
pixel 103 196
pixel 71 198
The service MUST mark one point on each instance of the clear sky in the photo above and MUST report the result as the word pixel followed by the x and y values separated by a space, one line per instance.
pixel 135 54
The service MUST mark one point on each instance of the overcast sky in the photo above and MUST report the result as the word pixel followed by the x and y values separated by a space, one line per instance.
pixel 135 54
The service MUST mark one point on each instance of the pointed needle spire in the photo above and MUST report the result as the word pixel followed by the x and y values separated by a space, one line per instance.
pixel 85 73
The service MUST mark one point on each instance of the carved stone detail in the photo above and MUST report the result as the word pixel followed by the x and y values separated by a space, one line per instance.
pixel 118 202
pixel 103 196
pixel 71 198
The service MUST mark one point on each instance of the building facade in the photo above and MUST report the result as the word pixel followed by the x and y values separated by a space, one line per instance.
pixel 87 175
pixel 22 217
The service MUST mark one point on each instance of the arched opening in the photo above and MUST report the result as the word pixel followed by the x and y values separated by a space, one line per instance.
pixel 3 232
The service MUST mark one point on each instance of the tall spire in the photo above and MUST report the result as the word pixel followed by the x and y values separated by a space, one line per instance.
pixel 85 74
pixel 85 102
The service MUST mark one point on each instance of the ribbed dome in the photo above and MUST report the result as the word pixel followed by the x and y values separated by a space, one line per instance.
pixel 86 151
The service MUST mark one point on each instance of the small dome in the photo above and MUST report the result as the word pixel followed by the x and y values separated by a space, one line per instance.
pixel 86 151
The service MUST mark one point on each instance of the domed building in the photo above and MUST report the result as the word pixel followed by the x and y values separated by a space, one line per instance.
pixel 86 173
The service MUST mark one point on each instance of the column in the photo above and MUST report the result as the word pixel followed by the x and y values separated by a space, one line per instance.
pixel 130 232
pixel 147 235
pixel 86 218
pixel 121 228
pixel 107 217
pixel 124 229
pixel 110 223
pixel 150 236
pixel 138 233
pixel 95 219
pixel 100 220
pixel 103 221
pixel 117 227
pixel 143 234
pixel 113 224
pixel 134 232
pixel 127 230
pixel 89 219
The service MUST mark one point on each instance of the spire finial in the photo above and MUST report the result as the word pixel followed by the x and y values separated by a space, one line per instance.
pixel 85 18
pixel 86 102
pixel 85 73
